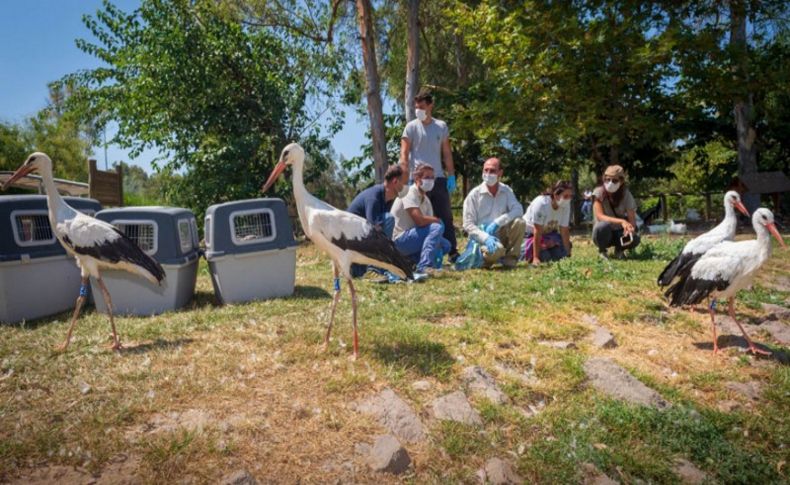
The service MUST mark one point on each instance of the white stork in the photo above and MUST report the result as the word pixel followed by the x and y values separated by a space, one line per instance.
pixel 725 269
pixel 694 249
pixel 95 244
pixel 345 237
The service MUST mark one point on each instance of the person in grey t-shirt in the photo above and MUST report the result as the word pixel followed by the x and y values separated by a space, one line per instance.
pixel 614 210
pixel 426 141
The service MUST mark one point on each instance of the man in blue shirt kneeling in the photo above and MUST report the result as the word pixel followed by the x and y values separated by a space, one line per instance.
pixel 374 204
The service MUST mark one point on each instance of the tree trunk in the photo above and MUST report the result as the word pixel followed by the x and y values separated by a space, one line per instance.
pixel 375 111
pixel 744 106
pixel 412 58
pixel 576 212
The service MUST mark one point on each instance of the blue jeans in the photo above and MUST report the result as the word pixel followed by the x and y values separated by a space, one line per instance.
pixel 440 200
pixel 553 254
pixel 422 244
pixel 387 223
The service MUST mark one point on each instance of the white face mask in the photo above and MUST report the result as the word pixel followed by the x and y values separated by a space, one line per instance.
pixel 426 185
pixel 420 114
pixel 403 191
pixel 563 203
pixel 611 187
pixel 490 179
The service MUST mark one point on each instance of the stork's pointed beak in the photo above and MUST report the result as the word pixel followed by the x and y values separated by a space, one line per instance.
pixel 278 169
pixel 20 172
pixel 739 205
pixel 772 229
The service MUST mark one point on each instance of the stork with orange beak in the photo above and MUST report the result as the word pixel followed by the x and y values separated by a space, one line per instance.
pixel 725 269
pixel 95 244
pixel 346 238
pixel 694 249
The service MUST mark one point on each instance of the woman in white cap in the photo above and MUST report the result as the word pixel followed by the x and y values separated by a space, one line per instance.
pixel 614 212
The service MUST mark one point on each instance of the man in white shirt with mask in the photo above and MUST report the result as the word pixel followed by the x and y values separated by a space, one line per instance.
pixel 492 217
pixel 418 233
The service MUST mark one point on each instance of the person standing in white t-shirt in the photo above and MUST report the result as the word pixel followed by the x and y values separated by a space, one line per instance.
pixel 548 220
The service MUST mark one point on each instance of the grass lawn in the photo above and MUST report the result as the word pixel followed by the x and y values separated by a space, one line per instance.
pixel 209 390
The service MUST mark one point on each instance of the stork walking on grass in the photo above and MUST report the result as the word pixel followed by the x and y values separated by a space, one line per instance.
pixel 345 237
pixel 694 249
pixel 95 244
pixel 724 270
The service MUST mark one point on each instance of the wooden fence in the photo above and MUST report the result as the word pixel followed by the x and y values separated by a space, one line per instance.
pixel 106 187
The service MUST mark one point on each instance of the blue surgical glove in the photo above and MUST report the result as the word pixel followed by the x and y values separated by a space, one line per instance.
pixel 491 244
pixel 437 260
pixel 451 183
pixel 492 228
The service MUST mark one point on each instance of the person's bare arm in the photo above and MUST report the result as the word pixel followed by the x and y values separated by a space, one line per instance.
pixel 405 147
pixel 447 156
pixel 565 232
pixel 419 218
pixel 537 233
pixel 631 221
pixel 601 216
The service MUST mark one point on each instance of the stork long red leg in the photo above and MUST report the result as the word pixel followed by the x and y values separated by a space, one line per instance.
pixel 354 317
pixel 80 300
pixel 754 350
pixel 116 343
pixel 335 299
pixel 712 310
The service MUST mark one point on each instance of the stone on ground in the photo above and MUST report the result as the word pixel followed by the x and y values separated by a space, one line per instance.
pixel 776 312
pixel 455 407
pixel 591 475
pixel 395 414
pixel 239 477
pixel 688 472
pixel 498 472
pixel 778 330
pixel 557 344
pixel 421 385
pixel 480 383
pixel 602 338
pixel 387 455
pixel 751 389
pixel 611 379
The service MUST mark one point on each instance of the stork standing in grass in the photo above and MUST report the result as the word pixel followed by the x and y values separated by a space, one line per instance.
pixel 725 269
pixel 694 249
pixel 345 237
pixel 95 244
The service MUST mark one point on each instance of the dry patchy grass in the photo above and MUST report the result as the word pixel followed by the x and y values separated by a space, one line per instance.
pixel 212 389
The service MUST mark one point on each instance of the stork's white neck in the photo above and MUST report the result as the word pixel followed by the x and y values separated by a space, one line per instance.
pixel 58 209
pixel 763 241
pixel 730 221
pixel 300 194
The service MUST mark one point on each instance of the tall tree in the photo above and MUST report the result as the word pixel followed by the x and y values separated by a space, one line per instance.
pixel 412 57
pixel 220 118
pixel 372 87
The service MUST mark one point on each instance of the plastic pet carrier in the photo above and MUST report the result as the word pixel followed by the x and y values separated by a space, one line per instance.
pixel 37 277
pixel 250 249
pixel 167 234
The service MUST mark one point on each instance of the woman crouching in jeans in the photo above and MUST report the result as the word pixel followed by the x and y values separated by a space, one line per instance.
pixel 614 212
pixel 548 236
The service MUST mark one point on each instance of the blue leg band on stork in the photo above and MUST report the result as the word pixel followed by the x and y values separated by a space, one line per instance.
pixel 83 291
pixel 713 304
pixel 337 284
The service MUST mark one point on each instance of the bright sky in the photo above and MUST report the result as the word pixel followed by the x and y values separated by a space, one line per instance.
pixel 37 47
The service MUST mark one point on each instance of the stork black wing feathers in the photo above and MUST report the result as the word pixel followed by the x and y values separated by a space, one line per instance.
pixel 676 267
pixel 377 246
pixel 120 249
pixel 690 291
